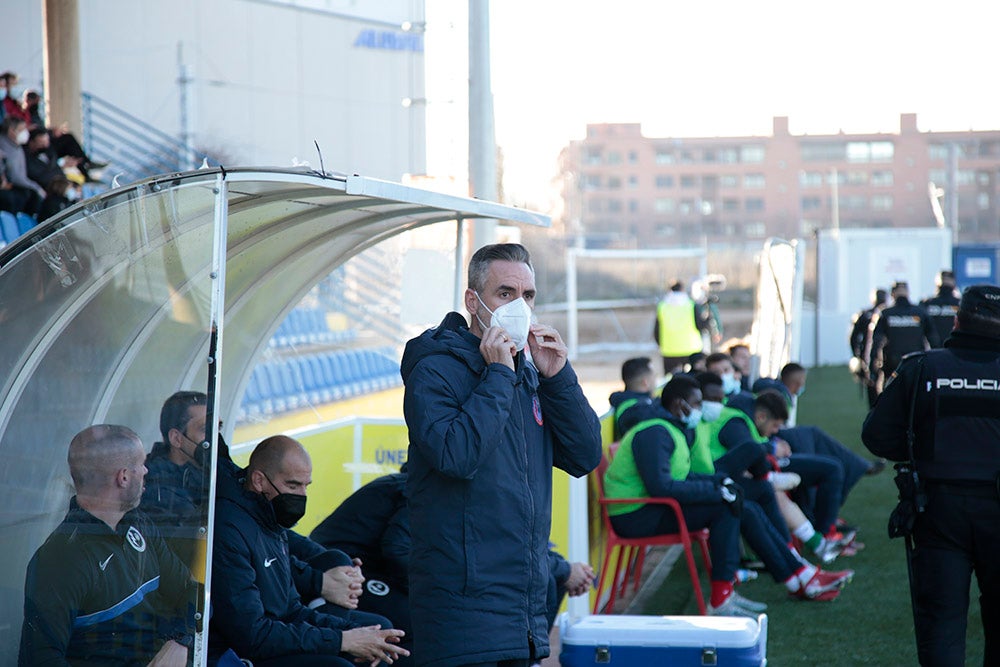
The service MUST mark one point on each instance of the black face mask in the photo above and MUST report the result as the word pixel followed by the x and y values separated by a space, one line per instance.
pixel 288 507
pixel 201 454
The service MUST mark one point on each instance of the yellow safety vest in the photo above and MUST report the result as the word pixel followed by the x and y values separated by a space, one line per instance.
pixel 679 334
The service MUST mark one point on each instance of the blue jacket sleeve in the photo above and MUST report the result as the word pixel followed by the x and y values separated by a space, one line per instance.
pixel 652 449
pixel 456 433
pixel 559 567
pixel 575 429
pixel 238 611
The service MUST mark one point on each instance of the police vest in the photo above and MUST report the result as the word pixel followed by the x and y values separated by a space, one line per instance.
pixel 622 479
pixel 904 333
pixel 716 448
pixel 679 334
pixel 942 310
pixel 960 434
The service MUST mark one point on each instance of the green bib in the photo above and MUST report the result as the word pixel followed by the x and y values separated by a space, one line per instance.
pixel 622 480
pixel 728 414
pixel 701 450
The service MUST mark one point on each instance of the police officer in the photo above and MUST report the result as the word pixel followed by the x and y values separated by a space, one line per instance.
pixel 896 331
pixel 952 396
pixel 941 307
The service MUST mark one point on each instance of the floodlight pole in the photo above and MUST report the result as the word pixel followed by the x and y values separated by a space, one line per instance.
pixel 482 135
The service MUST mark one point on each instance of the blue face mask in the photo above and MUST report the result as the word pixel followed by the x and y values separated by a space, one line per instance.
pixel 801 390
pixel 692 419
pixel 730 385
pixel 711 410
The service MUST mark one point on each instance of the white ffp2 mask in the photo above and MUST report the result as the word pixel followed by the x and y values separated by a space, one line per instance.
pixel 513 317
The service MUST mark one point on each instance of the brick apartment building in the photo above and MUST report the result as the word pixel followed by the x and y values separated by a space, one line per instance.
pixel 626 189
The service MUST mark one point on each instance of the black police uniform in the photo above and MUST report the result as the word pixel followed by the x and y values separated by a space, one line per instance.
pixel 957 453
pixel 941 309
pixel 897 331
pixel 860 341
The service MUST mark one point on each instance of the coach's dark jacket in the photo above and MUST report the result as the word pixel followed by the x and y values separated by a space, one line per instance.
pixel 483 441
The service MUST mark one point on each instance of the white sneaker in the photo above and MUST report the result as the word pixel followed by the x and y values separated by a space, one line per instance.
pixel 784 481
pixel 749 605
pixel 730 608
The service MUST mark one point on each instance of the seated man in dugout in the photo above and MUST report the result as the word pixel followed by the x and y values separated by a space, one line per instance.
pixel 176 487
pixel 256 610
pixel 104 588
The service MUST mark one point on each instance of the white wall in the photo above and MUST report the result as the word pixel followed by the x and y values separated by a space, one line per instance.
pixel 269 78
pixel 852 263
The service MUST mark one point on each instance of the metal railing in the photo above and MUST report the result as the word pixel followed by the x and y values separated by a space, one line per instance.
pixel 134 148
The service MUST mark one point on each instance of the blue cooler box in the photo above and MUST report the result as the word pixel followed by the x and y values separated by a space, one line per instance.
pixel 663 640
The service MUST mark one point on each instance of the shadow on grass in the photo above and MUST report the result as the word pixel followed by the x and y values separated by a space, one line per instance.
pixel 870 623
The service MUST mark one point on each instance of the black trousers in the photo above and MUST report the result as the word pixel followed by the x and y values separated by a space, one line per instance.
pixel 957 535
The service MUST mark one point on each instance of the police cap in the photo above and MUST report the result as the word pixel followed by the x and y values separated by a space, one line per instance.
pixel 982 301
pixel 900 284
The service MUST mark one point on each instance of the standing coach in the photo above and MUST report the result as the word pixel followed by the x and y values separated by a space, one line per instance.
pixel 952 396
pixel 487 424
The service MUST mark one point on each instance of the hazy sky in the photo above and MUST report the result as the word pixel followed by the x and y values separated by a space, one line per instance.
pixel 701 68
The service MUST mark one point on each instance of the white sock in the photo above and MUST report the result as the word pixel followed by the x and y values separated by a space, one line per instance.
pixel 805 532
pixel 800 578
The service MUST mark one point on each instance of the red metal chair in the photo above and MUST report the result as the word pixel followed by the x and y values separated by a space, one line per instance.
pixel 633 550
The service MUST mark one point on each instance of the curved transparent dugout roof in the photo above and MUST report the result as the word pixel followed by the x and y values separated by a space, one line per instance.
pixel 108 308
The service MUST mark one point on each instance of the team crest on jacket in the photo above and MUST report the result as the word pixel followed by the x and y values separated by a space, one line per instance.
pixel 136 539
pixel 536 409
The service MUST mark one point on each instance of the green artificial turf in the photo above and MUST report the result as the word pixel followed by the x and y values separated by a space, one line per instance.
pixel 871 622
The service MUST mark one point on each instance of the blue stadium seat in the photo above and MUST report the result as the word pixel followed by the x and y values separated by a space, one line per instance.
pixel 25 221
pixel 263 382
pixel 278 389
pixel 332 378
pixel 8 226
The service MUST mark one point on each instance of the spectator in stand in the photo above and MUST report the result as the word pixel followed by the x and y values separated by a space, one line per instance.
pixel 25 195
pixel 60 194
pixel 12 108
pixel 41 161
pixel 63 142
pixel 257 610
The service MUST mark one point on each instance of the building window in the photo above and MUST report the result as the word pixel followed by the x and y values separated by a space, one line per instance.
pixel 614 182
pixel 709 182
pixel 823 152
pixel 664 157
pixel 753 181
pixel 665 230
pixel 688 181
pixel 853 203
pixel 752 154
pixel 936 176
pixel 663 205
pixel 708 155
pixel 881 202
pixel 687 157
pixel 754 204
pixel 730 204
pixel 591 182
pixel 594 206
pixel 664 181
pixel 811 203
pixel 882 151
pixel 686 206
pixel 965 177
pixel 633 205
pixel 614 157
pixel 729 155
pixel 870 151
pixel 706 207
pixel 857 177
pixel 614 205
pixel 882 179
pixel 983 200
pixel 592 156
pixel 754 230
pixel 633 182
pixel 811 179
pixel 633 157
pixel 729 181
pixel 983 177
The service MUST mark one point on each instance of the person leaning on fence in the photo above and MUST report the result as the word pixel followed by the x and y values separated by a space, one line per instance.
pixel 949 401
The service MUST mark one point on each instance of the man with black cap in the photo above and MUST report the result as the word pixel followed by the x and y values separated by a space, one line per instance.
pixel 943 306
pixel 898 330
pixel 949 399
